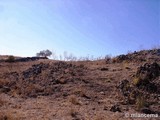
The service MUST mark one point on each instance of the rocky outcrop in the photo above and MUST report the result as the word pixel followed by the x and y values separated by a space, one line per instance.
pixel 27 59
pixel 34 70
pixel 144 90
pixel 147 77
pixel 148 71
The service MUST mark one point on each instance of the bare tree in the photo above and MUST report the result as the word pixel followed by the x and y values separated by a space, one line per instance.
pixel 54 56
pixel 66 56
pixel 60 57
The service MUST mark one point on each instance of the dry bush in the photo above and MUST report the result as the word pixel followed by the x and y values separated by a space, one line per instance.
pixel 10 59
pixel 140 102
pixel 136 81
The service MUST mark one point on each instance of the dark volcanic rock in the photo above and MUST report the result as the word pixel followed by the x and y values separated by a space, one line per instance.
pixel 29 59
pixel 115 108
pixel 147 111
pixel 124 87
pixel 148 71
pixel 147 75
pixel 41 79
pixel 4 89
pixel 104 69
pixel 35 70
pixel 121 58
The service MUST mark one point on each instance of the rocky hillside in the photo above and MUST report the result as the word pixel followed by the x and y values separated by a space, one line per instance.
pixel 43 89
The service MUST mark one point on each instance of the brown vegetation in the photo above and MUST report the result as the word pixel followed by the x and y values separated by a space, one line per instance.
pixel 80 90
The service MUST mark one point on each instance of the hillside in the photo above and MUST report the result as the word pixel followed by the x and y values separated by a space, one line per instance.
pixel 44 89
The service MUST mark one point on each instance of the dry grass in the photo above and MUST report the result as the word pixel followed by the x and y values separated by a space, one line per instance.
pixel 98 117
pixel 2 102
pixel 89 95
pixel 74 100
pixel 136 81
pixel 10 116
pixel 140 102
pixel 125 65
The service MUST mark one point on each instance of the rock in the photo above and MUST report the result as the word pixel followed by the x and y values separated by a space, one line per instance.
pixel 105 108
pixel 148 71
pixel 158 52
pixel 104 69
pixel 146 74
pixel 35 70
pixel 102 93
pixel 61 81
pixel 29 59
pixel 124 87
pixel 115 108
pixel 121 58
pixel 151 87
pixel 147 111
pixel 5 89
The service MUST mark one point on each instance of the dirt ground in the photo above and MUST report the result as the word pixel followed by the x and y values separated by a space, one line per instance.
pixel 109 89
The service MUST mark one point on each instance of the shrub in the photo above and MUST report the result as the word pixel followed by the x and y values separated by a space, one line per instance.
pixel 140 102
pixel 108 58
pixel 10 59
pixel 136 81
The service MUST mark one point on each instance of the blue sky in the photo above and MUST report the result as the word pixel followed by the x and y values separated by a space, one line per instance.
pixel 81 27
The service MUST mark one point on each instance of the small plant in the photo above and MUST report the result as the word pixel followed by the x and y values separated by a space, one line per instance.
pixel 10 59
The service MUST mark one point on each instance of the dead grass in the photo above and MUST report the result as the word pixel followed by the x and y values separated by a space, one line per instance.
pixel 140 102
pixel 136 81
pixel 98 117
pixel 87 94
pixel 10 116
pixel 2 102
pixel 74 100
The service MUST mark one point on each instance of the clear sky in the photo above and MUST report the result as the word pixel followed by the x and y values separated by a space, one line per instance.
pixel 81 27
